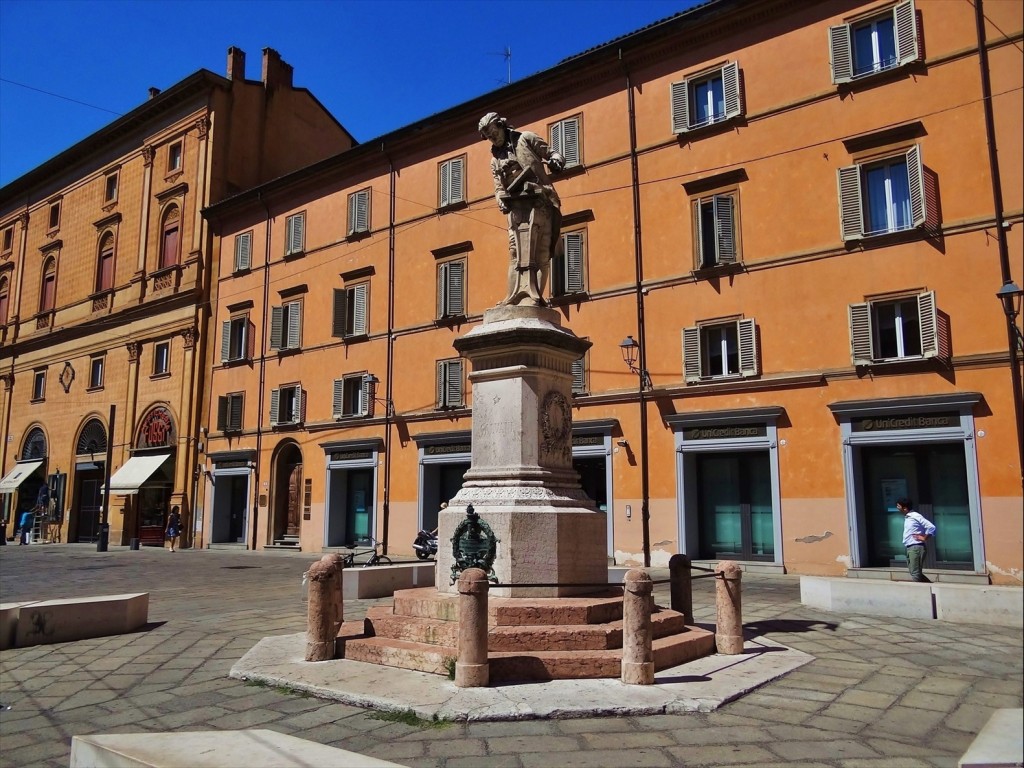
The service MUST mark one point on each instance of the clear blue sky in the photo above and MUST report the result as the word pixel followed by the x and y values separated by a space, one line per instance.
pixel 375 65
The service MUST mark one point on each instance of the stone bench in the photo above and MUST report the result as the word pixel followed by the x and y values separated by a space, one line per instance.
pixel 9 613
pixel 384 580
pixel 999 745
pixel 60 621
pixel 256 748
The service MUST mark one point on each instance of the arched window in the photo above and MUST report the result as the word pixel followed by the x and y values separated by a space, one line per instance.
pixel 35 445
pixel 48 290
pixel 93 439
pixel 105 265
pixel 5 292
pixel 170 241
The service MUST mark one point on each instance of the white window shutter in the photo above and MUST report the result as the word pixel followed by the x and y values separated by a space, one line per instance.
pixel 573 262
pixel 276 327
pixel 295 233
pixel 905 22
pixel 726 234
pixel 557 136
pixel 222 414
pixel 446 183
pixel 680 107
pixel 442 290
pixel 731 90
pixel 299 414
pixel 457 195
pixel 289 227
pixel 851 206
pixel 243 251
pixel 352 213
pixel 456 271
pixel 929 324
pixel 363 211
pixel 338 399
pixel 691 354
pixel 365 403
pixel 571 142
pixel 340 313
pixel 841 53
pixel 747 333
pixel 275 406
pixel 225 341
pixel 359 326
pixel 453 394
pixel 579 376
pixel 915 176
pixel 861 334
pixel 294 325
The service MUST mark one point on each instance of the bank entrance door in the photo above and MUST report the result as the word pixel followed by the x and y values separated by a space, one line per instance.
pixel 734 502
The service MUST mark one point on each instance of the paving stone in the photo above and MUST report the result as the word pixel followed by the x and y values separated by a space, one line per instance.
pixel 873 699
pixel 726 754
pixel 612 741
pixel 886 762
pixel 492 761
pixel 460 748
pixel 633 758
pixel 249 719
pixel 720 735
pixel 521 727
pixel 520 744
pixel 597 725
pixel 818 750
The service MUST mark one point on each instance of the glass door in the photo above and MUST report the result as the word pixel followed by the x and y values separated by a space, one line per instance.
pixel 734 500
pixel 359 504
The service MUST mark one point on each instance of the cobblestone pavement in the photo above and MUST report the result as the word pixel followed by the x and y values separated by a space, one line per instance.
pixel 885 693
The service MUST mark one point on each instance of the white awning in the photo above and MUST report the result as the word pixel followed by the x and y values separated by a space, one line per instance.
pixel 136 471
pixel 18 475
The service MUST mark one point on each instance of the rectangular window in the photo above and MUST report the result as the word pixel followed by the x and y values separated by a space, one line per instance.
pixel 39 384
pixel 295 234
pixel 359 212
pixel 350 311
pixel 174 154
pixel 7 240
pixel 707 98
pixel 286 405
pixel 161 358
pixel 714 230
pixel 229 412
pixel 449 384
pixel 877 44
pixel 451 289
pixel 286 326
pixel 96 372
pixel 897 329
pixel 565 140
pixel 243 251
pixel 351 397
pixel 236 339
pixel 452 182
pixel 883 196
pixel 568 265
pixel 720 350
pixel 110 188
pixel 54 220
pixel 105 268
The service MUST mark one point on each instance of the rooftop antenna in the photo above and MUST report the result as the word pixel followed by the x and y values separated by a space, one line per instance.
pixel 507 55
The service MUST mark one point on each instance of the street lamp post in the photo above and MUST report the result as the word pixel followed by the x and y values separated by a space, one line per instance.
pixel 630 354
pixel 370 383
pixel 1010 296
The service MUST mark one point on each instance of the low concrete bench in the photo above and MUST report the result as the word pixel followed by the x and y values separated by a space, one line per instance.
pixel 999 745
pixel 257 748
pixel 9 613
pixel 60 621
pixel 384 580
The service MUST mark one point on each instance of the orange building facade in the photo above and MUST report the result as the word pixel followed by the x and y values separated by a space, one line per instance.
pixel 790 209
pixel 106 284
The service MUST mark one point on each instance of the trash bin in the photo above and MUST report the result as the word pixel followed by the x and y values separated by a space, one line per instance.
pixel 104 537
pixel 133 544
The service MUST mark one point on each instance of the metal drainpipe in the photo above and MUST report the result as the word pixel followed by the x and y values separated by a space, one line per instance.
pixel 645 481
pixel 389 390
pixel 263 369
pixel 1004 251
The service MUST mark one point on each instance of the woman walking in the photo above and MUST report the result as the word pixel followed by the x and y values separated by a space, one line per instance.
pixel 173 527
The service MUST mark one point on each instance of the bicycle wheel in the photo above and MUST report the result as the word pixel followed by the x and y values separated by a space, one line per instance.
pixel 378 560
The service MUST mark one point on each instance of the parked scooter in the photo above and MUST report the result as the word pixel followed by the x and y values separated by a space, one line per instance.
pixel 425 545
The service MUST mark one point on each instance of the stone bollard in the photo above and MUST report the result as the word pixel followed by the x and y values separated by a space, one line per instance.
pixel 729 618
pixel 637 653
pixel 337 595
pixel 472 669
pixel 321 613
pixel 681 586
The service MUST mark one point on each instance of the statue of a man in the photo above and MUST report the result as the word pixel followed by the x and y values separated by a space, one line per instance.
pixel 525 193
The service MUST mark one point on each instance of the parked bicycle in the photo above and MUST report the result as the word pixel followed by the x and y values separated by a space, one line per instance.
pixel 375 558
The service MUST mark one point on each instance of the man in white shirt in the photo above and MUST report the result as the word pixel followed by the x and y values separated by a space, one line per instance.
pixel 916 531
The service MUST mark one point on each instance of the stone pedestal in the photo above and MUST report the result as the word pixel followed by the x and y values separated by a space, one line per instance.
pixel 521 481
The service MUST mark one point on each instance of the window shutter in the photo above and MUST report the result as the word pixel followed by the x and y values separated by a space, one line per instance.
pixel 841 53
pixel 851 207
pixel 222 414
pixel 365 403
pixel 235 412
pixel 725 222
pixel 698 241
pixel 574 262
pixel 275 406
pixel 298 406
pixel 929 324
pixel 691 354
pixel 294 324
pixel 571 142
pixel 249 342
pixel 456 181
pixel 225 341
pixel 453 394
pixel 338 316
pixel 363 211
pixel 353 214
pixel 860 333
pixel 557 138
pixel 243 251
pixel 579 376
pixel 446 183
pixel 276 327
pixel 359 312
pixel 905 21
pixel 296 224
pixel 731 90
pixel 289 227
pixel 456 270
pixel 747 333
pixel 441 372
pixel 338 399
pixel 915 175
pixel 680 107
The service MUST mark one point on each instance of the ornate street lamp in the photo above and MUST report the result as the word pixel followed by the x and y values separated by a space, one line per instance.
pixel 630 355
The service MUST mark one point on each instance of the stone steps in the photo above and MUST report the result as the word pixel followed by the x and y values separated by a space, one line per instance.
pixel 428 603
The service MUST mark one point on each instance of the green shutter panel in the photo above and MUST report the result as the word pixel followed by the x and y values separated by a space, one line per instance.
pixel 440 372
pixel 275 406
pixel 222 414
pixel 747 333
pixel 454 383
pixel 456 271
pixel 571 142
pixel 574 262
pixel 915 175
pixel 691 354
pixel 851 206
pixel 235 412
pixel 456 181
pixel 841 53
pixel 243 251
pixel 359 310
pixel 725 224
pixel 557 138
pixel 905 21
pixel 579 376
pixel 338 399
pixel 294 324
pixel 225 341
pixel 731 90
pixel 860 333
pixel 680 107
pixel 339 313
pixel 929 324
pixel 276 327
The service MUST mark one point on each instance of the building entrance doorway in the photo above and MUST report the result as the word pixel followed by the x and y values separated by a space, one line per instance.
pixel 351 504
pixel 288 496
pixel 593 471
pixel 89 504
pixel 230 507
pixel 734 499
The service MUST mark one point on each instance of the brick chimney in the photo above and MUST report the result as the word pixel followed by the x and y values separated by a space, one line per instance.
pixel 153 92
pixel 236 63
pixel 276 72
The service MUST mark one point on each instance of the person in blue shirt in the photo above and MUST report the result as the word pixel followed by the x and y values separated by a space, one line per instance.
pixel 26 520
pixel 916 531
